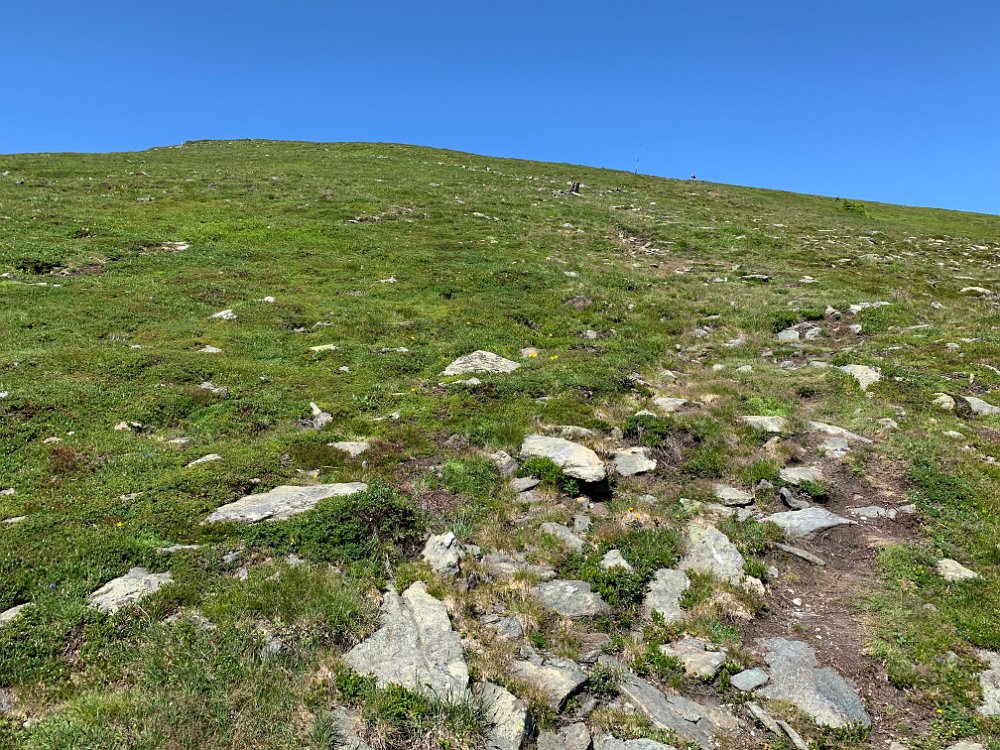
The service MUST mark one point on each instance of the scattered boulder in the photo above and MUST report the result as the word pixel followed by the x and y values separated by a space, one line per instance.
pixel 480 361
pixel 632 461
pixel 9 614
pixel 774 425
pixel 506 466
pixel 572 599
pixel 509 721
pixel 128 588
pixel 989 681
pixel 348 724
pixel 204 460
pixel 282 502
pixel 805 523
pixel 223 315
pixel 664 595
pixel 444 554
pixel 696 657
pixel 415 647
pixel 564 535
pixel 944 401
pixel 507 566
pixel 708 550
pixel 834 431
pixel 556 679
pixel 820 692
pixel 352 448
pixel 523 484
pixel 574 459
pixel 952 570
pixel 668 404
pixel 865 375
pixel 980 407
pixel 731 496
pixel 610 742
pixel 874 512
pixel 613 559
pixel 798 474
pixel 749 679
pixel 319 418
pixel 572 737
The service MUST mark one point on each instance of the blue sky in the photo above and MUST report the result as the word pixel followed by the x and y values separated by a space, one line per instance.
pixel 879 100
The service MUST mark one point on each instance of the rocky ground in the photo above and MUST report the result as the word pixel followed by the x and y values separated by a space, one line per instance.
pixel 408 449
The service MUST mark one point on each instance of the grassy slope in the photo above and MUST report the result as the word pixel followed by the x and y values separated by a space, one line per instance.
pixel 480 248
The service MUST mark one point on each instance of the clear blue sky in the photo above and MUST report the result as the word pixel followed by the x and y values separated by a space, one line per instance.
pixel 877 99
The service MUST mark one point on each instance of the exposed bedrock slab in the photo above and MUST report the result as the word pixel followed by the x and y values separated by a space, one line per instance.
pixel 556 679
pixel 806 522
pixel 282 502
pixel 131 587
pixel 572 599
pixel 509 721
pixel 708 550
pixel 664 595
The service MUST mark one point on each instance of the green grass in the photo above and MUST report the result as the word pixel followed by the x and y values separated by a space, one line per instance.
pixel 114 333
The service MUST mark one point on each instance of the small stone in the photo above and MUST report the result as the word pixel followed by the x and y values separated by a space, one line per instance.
pixel 766 424
pixel 122 591
pixel 944 401
pixel 572 737
pixel 320 418
pixel 731 496
pixel 444 554
pixel 352 448
pixel 872 512
pixel 480 361
pixel 792 501
pixel 796 475
pixel 668 404
pixel 556 679
pixel 523 484
pixel 866 376
pixel 952 570
pixel 572 599
pixel 209 349
pixel 749 679
pixel 708 550
pixel 696 658
pixel 8 615
pixel 989 681
pixel 976 291
pixel 223 315
pixel 564 535
pixel 632 461
pixel 613 559
pixel 204 460
pixel 506 466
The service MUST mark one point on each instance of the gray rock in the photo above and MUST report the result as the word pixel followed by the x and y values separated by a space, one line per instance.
pixel 840 432
pixel 664 595
pixel 669 404
pixel 506 566
pixel 444 554
pixel 572 599
pixel 506 627
pixel 952 570
pixel 690 720
pixel 124 590
pixel 708 550
pixel 556 679
pixel 872 512
pixel 509 722
pixel 943 401
pixel 613 559
pixel 775 425
pixel 989 681
pixel 7 701
pixel 572 737
pixel 798 474
pixel 610 742
pixel 564 535
pixel 574 459
pixel 9 614
pixel 980 407
pixel 352 448
pixel 632 461
pixel 204 460
pixel 966 745
pixel 749 679
pixel 789 335
pixel 763 718
pixel 480 361
pixel 415 647
pixel 695 656
pixel 177 548
pixel 805 523
pixel 506 465
pixel 282 502
pixel 731 496
pixel 581 523
pixel 835 447
pixel 866 376
pixel 348 724
pixel 820 692
pixel 523 484
pixel 319 418
pixel 792 501
pixel 573 432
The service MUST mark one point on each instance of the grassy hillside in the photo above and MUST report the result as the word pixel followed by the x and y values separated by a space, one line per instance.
pixel 405 258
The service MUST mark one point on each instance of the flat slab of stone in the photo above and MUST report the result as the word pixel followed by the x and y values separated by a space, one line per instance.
pixel 708 550
pixel 572 737
pixel 952 570
pixel 131 587
pixel 352 448
pixel 9 614
pixel 610 742
pixel 668 404
pixel 798 474
pixel 572 599
pixel 749 679
pixel 415 647
pixel 834 431
pixel 523 484
pixel 690 720
pixel 557 679
pixel 980 407
pixel 348 724
pixel 731 496
pixel 664 595
pixel 509 722
pixel 480 361
pixel 575 460
pixel 800 524
pixel 564 534
pixel 989 681
pixel 632 461
pixel 820 692
pixel 865 375
pixel 503 565
pixel 613 559
pixel 696 657
pixel 775 425
pixel 873 512
pixel 282 502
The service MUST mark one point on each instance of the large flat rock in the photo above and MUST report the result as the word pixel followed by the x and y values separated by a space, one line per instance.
pixel 820 692
pixel 989 681
pixel 690 720
pixel 575 460
pixel 572 599
pixel 509 721
pixel 557 679
pixel 610 742
pixel 708 550
pixel 664 595
pixel 282 502
pixel 804 523
pixel 480 361
pixel 131 587
pixel 415 647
